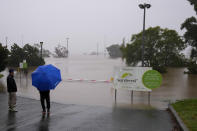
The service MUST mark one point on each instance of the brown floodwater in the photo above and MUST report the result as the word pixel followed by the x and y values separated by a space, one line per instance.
pixel 175 86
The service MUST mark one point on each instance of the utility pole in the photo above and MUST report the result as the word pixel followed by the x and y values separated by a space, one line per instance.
pixel 6 41
pixel 97 48
pixel 104 41
pixel 104 50
pixel 67 45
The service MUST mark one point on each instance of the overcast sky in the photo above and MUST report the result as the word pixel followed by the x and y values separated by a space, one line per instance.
pixel 86 22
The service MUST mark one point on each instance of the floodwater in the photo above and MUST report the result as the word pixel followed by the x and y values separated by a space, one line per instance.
pixel 175 86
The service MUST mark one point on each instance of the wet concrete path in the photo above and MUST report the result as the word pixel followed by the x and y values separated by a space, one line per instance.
pixel 80 118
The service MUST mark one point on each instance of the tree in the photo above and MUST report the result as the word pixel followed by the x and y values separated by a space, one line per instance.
pixel 194 3
pixel 61 51
pixel 32 55
pixel 3 57
pixel 28 53
pixel 161 49
pixel 45 52
pixel 190 25
pixel 114 51
pixel 17 55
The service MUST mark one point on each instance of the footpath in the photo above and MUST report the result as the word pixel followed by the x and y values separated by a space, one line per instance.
pixel 68 117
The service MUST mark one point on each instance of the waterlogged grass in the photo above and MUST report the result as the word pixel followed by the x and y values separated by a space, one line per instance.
pixel 1 76
pixel 187 110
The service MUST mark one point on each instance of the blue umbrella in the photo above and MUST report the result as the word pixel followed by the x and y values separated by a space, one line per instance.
pixel 46 77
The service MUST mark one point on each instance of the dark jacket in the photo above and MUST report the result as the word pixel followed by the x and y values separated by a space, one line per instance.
pixel 11 84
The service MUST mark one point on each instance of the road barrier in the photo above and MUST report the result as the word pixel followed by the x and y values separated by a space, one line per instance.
pixel 87 80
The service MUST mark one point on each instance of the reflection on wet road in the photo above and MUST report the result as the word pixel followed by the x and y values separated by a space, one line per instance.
pixel 67 117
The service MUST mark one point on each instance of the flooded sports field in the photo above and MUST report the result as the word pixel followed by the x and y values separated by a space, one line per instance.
pixel 175 86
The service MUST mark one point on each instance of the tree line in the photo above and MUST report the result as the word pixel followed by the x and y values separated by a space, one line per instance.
pixel 32 55
pixel 17 54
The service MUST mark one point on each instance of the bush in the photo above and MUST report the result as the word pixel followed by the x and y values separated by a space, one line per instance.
pixel 114 51
pixel 28 53
pixel 161 69
pixel 192 67
pixel 3 57
pixel 162 49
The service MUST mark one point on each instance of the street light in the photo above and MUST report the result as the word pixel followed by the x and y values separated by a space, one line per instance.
pixel 143 6
pixel 41 43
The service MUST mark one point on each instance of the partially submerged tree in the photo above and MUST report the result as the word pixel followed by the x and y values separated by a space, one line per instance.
pixel 114 51
pixel 190 25
pixel 17 55
pixel 28 53
pixel 3 57
pixel 32 55
pixel 162 48
pixel 61 51
pixel 45 52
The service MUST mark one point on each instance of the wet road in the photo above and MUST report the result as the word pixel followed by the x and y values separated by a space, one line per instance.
pixel 80 118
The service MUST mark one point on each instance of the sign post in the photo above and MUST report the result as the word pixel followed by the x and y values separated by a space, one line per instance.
pixel 115 94
pixel 136 79
pixel 20 68
pixel 25 70
pixel 131 97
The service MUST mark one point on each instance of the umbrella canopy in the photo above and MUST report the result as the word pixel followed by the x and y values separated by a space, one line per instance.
pixel 46 77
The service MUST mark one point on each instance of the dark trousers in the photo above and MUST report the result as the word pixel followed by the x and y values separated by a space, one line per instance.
pixel 44 95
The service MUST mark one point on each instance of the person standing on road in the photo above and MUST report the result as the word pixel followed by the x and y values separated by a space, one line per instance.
pixel 45 96
pixel 12 89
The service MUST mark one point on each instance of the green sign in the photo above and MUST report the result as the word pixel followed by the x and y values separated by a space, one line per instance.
pixel 152 79
pixel 24 65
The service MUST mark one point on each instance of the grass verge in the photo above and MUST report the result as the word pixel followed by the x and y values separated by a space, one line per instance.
pixel 187 110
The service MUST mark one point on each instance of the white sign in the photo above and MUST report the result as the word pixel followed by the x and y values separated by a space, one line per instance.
pixel 130 78
pixel 21 65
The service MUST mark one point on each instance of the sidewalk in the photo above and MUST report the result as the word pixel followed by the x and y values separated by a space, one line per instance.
pixel 79 118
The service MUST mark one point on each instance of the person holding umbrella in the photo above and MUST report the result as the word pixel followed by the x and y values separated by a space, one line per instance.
pixel 46 78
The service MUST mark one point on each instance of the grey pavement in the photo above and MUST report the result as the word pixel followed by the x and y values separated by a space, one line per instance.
pixel 68 117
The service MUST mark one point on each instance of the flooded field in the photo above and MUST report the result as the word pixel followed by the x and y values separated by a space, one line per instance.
pixel 176 85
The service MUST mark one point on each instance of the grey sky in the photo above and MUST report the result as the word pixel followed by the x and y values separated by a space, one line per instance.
pixel 85 22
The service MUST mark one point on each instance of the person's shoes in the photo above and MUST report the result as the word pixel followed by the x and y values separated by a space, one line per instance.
pixel 13 110
pixel 48 111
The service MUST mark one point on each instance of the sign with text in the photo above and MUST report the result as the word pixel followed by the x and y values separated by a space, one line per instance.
pixel 130 78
